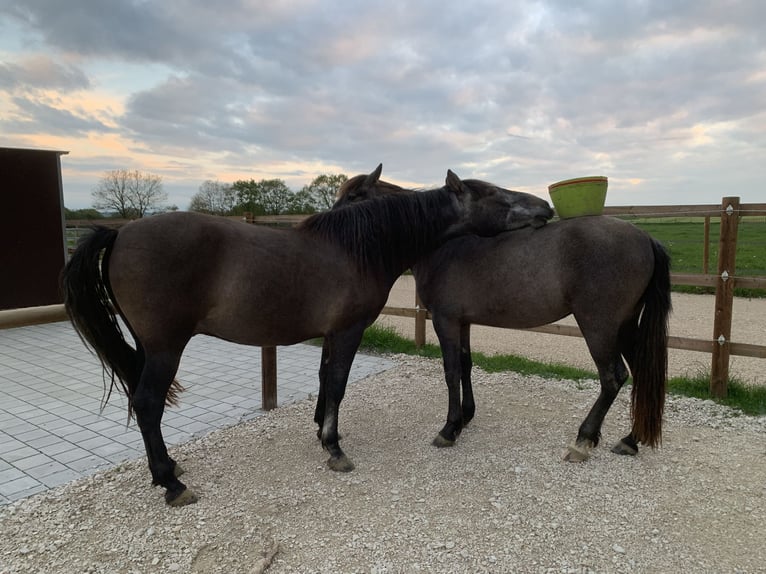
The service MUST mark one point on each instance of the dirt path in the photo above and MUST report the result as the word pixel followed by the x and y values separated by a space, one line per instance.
pixel 692 317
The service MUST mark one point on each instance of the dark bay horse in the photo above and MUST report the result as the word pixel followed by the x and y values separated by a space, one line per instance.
pixel 170 277
pixel 613 277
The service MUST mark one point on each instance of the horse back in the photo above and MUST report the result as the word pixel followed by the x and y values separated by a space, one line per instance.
pixel 532 277
pixel 177 275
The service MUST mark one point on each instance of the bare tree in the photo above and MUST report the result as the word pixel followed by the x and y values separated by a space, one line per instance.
pixel 129 194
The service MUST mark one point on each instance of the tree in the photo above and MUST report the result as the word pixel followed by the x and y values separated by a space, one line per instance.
pixel 82 214
pixel 215 198
pixel 248 196
pixel 265 197
pixel 321 192
pixel 129 194
pixel 276 197
pixel 304 202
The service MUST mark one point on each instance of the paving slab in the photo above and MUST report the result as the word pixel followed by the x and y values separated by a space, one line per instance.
pixel 55 426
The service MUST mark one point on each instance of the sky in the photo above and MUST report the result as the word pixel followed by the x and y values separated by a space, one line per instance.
pixel 666 98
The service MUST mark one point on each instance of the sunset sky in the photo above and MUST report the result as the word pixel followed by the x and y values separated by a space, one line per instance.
pixel 666 98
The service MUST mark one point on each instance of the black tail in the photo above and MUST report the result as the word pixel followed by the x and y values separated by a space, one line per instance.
pixel 651 357
pixel 88 302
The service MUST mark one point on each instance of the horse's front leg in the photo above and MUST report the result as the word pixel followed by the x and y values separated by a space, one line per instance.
pixel 449 338
pixel 149 404
pixel 341 349
pixel 319 411
pixel 466 365
pixel 612 375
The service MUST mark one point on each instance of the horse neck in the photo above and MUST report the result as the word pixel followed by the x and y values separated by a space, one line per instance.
pixel 388 234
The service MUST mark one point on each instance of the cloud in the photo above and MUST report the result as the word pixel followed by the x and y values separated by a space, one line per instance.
pixel 41 72
pixel 35 115
pixel 130 30
pixel 521 93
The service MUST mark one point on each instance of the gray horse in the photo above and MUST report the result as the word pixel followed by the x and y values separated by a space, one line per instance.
pixel 613 277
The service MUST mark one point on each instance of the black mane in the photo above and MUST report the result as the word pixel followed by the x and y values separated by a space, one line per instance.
pixel 389 231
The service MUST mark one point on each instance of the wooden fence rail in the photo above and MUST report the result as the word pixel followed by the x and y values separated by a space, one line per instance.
pixel 719 345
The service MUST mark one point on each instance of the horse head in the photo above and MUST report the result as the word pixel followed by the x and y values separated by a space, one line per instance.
pixel 489 209
pixel 363 187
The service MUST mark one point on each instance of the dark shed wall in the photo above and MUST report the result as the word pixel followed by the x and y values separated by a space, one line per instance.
pixel 32 243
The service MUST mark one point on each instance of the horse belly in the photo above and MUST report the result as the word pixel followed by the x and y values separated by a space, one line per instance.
pixel 515 312
pixel 269 327
pixel 485 290
pixel 274 311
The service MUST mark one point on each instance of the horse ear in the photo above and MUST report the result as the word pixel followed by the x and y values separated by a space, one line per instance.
pixel 453 182
pixel 373 178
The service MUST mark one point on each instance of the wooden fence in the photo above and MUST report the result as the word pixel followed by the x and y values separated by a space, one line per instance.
pixel 720 345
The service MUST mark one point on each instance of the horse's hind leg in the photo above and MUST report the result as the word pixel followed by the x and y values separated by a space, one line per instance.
pixel 628 445
pixel 149 404
pixel 612 376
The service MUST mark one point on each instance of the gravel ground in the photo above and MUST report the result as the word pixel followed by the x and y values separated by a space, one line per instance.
pixel 502 500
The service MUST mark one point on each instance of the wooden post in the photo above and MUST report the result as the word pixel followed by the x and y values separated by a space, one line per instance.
pixel 268 378
pixel 724 296
pixel 420 323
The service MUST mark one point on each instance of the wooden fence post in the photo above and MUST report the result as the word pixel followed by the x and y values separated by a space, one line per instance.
pixel 268 378
pixel 420 323
pixel 724 296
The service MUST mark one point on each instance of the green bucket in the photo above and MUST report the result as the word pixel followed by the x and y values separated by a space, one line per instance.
pixel 579 196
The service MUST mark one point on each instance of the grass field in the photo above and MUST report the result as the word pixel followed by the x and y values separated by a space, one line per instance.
pixel 685 240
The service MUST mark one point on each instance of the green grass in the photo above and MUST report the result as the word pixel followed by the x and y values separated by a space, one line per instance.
pixel 684 238
pixel 386 340
pixel 748 399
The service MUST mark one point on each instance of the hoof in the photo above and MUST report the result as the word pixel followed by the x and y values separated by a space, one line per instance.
pixel 340 464
pixel 178 470
pixel 577 453
pixel 624 449
pixel 441 442
pixel 186 497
